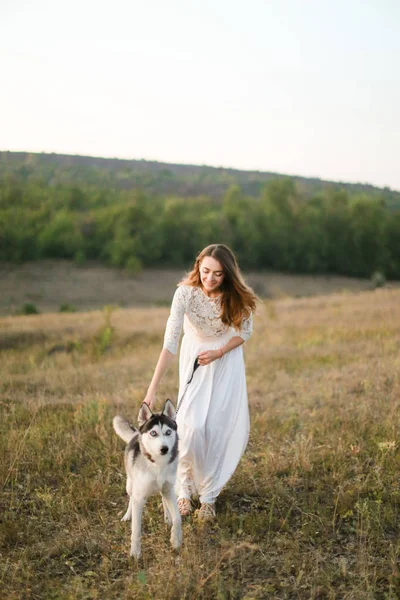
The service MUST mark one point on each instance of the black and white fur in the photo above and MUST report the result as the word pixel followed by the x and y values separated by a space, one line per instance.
pixel 151 460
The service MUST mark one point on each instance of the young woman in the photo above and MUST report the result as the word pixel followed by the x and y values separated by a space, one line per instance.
pixel 215 307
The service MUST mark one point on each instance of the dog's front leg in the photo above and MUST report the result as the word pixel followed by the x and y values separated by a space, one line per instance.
pixel 128 513
pixel 137 505
pixel 167 516
pixel 127 516
pixel 169 499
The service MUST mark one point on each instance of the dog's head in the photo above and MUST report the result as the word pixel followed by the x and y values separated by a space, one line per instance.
pixel 158 431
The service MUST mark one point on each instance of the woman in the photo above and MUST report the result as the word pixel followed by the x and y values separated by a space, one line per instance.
pixel 215 307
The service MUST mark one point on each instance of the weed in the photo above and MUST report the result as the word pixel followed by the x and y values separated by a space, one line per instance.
pixel 103 338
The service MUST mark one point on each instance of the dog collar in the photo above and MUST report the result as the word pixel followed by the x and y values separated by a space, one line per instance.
pixel 147 455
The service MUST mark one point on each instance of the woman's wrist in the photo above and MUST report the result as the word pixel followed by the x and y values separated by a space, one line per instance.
pixel 221 352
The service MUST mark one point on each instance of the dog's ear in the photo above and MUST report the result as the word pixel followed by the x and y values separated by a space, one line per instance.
pixel 169 410
pixel 144 413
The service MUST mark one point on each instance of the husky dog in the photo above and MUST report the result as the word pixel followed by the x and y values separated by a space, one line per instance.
pixel 151 460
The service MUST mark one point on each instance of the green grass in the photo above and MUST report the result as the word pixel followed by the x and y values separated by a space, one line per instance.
pixel 311 512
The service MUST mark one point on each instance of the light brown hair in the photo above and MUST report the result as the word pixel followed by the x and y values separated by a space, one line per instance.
pixel 238 299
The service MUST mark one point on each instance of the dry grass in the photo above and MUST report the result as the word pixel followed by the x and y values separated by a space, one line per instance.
pixel 311 512
pixel 50 284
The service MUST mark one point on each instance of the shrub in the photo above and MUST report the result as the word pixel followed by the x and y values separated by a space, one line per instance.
pixel 29 308
pixel 133 264
pixel 67 308
pixel 80 257
pixel 378 279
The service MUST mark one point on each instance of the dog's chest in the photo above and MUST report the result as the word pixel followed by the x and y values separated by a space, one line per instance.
pixel 152 478
pixel 151 483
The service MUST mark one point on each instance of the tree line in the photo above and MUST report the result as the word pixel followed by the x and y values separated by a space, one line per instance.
pixel 156 178
pixel 331 232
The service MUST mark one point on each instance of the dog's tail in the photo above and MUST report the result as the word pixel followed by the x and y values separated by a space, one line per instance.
pixel 125 430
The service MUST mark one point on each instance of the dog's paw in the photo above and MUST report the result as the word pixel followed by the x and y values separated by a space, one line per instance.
pixel 136 550
pixel 127 516
pixel 176 536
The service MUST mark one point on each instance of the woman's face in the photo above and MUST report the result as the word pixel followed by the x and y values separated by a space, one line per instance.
pixel 211 274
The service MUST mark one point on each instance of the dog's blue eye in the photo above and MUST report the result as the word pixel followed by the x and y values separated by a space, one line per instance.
pixel 153 433
pixel 168 432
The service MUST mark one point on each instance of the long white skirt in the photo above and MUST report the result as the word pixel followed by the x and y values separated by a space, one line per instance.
pixel 213 419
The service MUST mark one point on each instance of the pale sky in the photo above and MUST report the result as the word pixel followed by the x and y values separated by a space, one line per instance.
pixel 301 87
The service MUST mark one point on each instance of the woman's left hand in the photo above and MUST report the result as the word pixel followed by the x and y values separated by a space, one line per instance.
pixel 207 357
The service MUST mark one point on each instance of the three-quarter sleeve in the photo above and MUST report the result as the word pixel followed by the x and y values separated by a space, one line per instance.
pixel 246 328
pixel 175 320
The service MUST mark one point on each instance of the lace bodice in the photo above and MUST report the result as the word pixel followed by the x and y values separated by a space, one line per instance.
pixel 202 314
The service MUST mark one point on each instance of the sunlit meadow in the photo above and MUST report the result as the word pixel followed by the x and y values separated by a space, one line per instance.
pixel 312 511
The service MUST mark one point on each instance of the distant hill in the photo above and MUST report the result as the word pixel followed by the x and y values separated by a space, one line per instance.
pixel 158 178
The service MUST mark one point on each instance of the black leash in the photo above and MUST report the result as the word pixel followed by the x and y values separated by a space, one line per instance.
pixel 195 366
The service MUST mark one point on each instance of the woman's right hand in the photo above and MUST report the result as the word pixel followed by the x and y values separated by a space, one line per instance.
pixel 150 399
pixel 163 363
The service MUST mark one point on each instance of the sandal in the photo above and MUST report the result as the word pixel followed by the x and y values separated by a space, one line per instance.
pixel 206 512
pixel 185 506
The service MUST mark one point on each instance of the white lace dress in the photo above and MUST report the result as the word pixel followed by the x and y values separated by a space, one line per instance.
pixel 213 420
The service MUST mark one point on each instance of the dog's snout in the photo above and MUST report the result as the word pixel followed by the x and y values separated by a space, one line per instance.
pixel 164 449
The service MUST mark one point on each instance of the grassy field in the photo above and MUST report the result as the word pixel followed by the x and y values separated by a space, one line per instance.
pixel 312 511
pixel 50 284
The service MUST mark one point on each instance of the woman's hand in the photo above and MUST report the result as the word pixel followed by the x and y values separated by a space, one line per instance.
pixel 207 357
pixel 150 399
pixel 164 360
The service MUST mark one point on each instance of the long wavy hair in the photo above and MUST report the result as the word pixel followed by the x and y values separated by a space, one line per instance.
pixel 238 299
